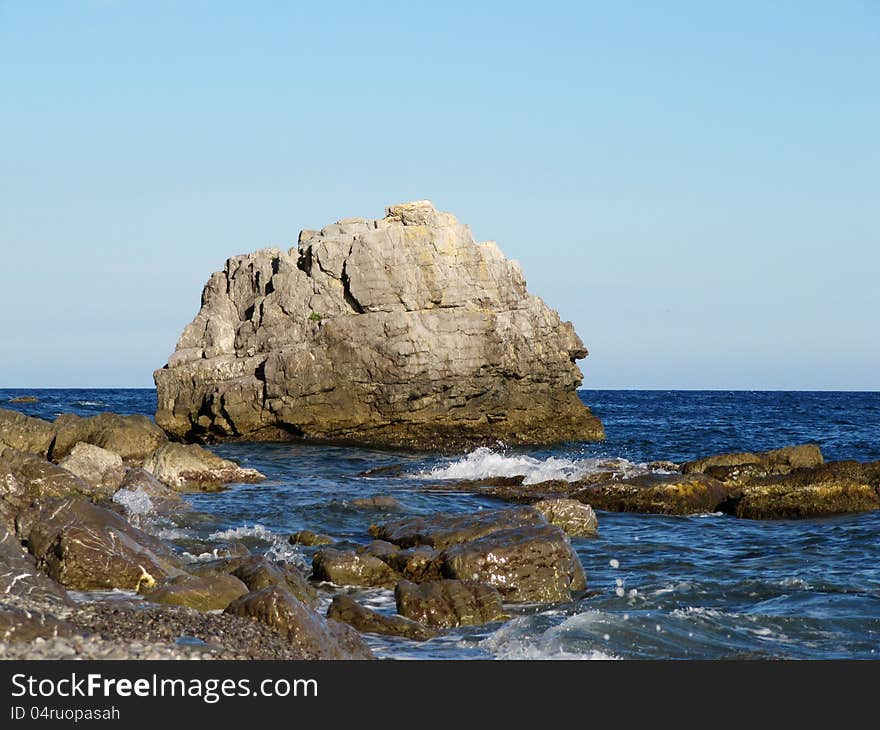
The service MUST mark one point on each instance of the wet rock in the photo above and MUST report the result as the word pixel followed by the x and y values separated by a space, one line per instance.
pixel 668 494
pixel 379 549
pixel 534 564
pixel 141 494
pixel 20 624
pixel 257 572
pixel 309 538
pixel 441 530
pixel 87 547
pixel 348 611
pixel 293 344
pixel 203 593
pixel 776 461
pixel 382 502
pixel 41 480
pixel 313 636
pixel 835 488
pixel 23 433
pixel 131 437
pixel 98 467
pixel 449 603
pixel 21 582
pixel 417 564
pixel 346 567
pixel 190 467
pixel 575 518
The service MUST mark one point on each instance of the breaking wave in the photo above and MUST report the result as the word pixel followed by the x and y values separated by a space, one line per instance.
pixel 483 463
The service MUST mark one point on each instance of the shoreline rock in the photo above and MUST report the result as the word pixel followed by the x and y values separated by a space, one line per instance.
pixel 399 332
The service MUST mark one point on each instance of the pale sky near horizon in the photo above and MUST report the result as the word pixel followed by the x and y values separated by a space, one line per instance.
pixel 694 184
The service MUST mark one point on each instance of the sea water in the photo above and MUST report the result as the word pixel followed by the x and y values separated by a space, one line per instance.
pixel 704 586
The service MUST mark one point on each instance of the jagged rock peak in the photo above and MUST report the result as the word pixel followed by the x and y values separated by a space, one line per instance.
pixel 398 331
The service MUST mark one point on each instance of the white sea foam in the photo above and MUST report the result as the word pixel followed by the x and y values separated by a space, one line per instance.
pixel 279 548
pixel 88 403
pixel 483 463
pixel 256 530
pixel 517 640
pixel 134 501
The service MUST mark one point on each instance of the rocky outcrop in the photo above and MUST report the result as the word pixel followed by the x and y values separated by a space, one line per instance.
pixel 189 467
pixel 400 331
pixel 131 437
pixel 348 611
pixel 446 604
pixel 313 636
pixel 23 433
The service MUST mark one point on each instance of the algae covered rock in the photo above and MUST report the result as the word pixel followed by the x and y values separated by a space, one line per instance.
pixel 346 567
pixel 398 331
pixel 667 494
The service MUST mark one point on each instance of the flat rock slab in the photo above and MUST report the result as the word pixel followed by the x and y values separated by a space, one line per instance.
pixel 667 494
pixel 775 461
pixel 449 603
pixel 347 610
pixel 534 564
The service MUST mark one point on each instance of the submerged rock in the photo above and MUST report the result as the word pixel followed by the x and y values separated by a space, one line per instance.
pixel 203 593
pixel 348 611
pixel 400 331
pixel 190 467
pixel 379 502
pixel 131 437
pixel 24 433
pixel 449 603
pixel 313 636
pixel 309 538
pixel 348 568
pixel 526 564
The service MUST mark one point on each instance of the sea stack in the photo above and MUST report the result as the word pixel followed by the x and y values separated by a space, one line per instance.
pixel 400 332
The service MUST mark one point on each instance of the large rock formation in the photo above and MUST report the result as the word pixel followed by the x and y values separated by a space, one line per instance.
pixel 401 331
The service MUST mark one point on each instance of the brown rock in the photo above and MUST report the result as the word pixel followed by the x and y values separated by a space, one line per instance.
pixel 534 564
pixel 348 611
pixel 381 502
pixel 20 624
pixel 131 437
pixel 575 518
pixel 190 467
pixel 449 603
pixel 309 538
pixel 346 567
pixel 313 636
pixel 256 572
pixel 776 461
pixel 23 433
pixel 669 494
pixel 203 593
pixel 100 468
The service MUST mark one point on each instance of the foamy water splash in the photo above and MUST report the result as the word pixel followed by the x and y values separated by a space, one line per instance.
pixel 484 463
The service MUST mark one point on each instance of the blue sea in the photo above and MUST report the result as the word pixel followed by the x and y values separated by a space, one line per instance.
pixel 701 587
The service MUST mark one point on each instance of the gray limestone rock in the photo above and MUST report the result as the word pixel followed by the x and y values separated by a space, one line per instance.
pixel 399 331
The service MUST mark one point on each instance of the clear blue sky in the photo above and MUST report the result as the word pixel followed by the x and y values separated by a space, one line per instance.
pixel 695 184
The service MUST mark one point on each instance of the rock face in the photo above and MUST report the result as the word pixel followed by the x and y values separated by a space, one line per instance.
pixel 401 331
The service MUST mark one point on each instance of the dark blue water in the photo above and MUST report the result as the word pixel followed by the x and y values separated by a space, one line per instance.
pixel 707 586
